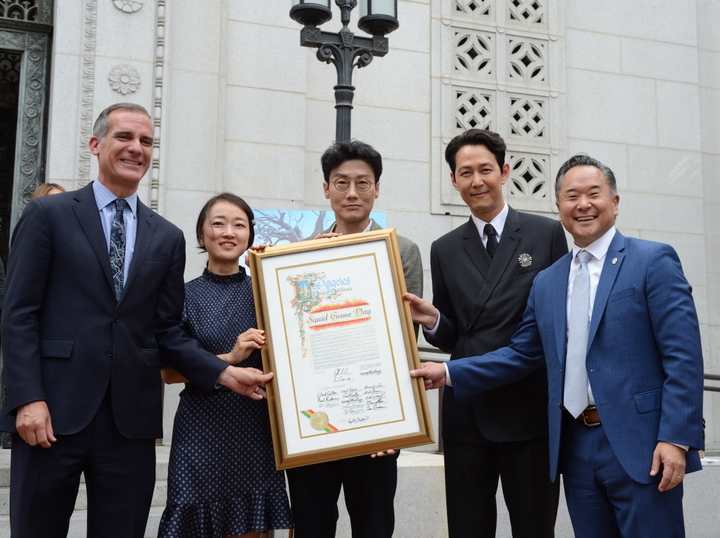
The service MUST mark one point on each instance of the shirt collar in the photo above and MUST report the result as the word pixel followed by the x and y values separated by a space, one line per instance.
pixel 104 197
pixel 334 225
pixel 498 222
pixel 599 247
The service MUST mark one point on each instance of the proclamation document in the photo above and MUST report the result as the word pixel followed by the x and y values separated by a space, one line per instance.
pixel 340 351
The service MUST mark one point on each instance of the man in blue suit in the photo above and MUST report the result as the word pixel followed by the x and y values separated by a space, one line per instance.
pixel 83 338
pixel 626 425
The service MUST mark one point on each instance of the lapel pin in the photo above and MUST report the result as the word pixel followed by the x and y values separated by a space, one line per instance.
pixel 525 260
pixel 614 261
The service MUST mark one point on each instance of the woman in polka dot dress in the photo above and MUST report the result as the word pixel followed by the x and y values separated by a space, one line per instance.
pixel 222 480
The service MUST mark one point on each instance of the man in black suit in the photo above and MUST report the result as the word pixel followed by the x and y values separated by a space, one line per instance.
pixel 482 273
pixel 94 300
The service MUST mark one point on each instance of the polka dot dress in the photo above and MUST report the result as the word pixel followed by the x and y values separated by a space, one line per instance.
pixel 221 478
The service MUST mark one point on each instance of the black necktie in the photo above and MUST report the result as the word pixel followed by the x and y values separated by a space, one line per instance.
pixel 117 247
pixel 492 242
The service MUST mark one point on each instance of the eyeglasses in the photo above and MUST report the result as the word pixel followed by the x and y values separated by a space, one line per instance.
pixel 361 185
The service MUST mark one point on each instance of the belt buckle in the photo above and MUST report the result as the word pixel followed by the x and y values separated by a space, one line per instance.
pixel 585 418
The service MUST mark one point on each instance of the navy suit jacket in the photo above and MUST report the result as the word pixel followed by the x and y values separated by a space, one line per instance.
pixel 644 357
pixel 481 302
pixel 66 339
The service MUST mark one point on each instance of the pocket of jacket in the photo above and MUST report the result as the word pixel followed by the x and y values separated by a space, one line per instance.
pixel 648 401
pixel 524 270
pixel 59 348
pixel 151 358
pixel 628 292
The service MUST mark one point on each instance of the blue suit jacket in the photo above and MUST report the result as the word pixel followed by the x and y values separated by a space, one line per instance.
pixel 65 336
pixel 644 358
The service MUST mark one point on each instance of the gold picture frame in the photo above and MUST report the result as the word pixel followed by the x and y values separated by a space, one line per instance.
pixel 341 342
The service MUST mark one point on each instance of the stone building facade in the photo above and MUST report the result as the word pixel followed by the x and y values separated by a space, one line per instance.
pixel 238 105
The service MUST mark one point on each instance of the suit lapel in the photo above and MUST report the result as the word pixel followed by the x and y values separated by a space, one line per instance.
pixel 613 261
pixel 560 275
pixel 87 213
pixel 143 240
pixel 494 269
pixel 473 247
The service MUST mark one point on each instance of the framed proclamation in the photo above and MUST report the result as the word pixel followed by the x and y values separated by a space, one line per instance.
pixel 341 342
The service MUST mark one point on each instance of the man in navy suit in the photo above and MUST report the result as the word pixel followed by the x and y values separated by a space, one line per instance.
pixel 626 425
pixel 83 343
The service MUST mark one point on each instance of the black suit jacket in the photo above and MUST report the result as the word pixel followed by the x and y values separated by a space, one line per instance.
pixel 481 302
pixel 66 339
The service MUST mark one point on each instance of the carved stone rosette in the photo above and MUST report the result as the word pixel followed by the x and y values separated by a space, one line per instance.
pixel 128 6
pixel 124 79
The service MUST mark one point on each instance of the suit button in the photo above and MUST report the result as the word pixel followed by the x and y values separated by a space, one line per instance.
pixel 117 320
pixel 109 353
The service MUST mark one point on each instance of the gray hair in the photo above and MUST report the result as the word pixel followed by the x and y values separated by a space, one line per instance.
pixel 585 160
pixel 102 123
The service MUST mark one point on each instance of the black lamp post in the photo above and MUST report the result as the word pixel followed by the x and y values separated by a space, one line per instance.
pixel 344 49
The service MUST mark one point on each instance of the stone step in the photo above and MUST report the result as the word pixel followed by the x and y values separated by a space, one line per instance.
pixel 78 524
pixel 159 496
pixel 162 455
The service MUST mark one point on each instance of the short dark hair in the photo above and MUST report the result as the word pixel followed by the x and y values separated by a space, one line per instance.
pixel 102 123
pixel 350 150
pixel 233 199
pixel 476 137
pixel 585 160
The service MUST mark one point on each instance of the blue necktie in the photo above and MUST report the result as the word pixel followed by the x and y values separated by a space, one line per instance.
pixel 576 380
pixel 117 247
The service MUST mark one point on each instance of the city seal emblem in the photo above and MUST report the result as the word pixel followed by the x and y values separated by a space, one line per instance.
pixel 319 420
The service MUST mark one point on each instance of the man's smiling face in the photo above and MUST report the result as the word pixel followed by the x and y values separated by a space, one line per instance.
pixel 586 204
pixel 125 153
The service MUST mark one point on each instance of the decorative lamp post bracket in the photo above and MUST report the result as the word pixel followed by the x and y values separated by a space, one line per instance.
pixel 346 50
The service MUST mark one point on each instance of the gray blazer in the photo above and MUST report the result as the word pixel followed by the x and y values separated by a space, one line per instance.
pixel 410 257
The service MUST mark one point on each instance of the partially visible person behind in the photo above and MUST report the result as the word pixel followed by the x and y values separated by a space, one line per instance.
pixel 222 479
pixel 352 183
pixel 46 189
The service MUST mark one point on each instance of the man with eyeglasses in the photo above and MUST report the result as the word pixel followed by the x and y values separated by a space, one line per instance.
pixel 352 183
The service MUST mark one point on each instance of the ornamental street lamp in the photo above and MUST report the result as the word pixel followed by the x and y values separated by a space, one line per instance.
pixel 344 49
